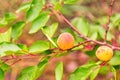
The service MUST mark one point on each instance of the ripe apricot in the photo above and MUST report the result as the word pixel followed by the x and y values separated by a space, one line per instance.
pixel 65 41
pixel 104 53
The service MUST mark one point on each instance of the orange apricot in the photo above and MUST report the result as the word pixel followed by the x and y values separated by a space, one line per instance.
pixel 104 53
pixel 65 41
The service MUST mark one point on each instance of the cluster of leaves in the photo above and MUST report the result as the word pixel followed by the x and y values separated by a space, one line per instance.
pixel 38 17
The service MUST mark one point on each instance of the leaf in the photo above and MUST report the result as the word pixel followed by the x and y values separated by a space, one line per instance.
pixel 41 67
pixel 24 7
pixel 28 73
pixel 8 48
pixel 4 67
pixel 23 47
pixel 113 71
pixel 49 31
pixel 82 72
pixel 39 46
pixel 39 23
pixel 8 18
pixel 1 74
pixel 17 29
pixel 35 8
pixel 6 36
pixel 70 1
pixel 81 25
pixel 59 71
pixel 115 60
pixel 94 73
pixel 94 36
pixel 57 6
pixel 102 34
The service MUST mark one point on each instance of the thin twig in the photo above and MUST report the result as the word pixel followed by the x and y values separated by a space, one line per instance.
pixel 109 15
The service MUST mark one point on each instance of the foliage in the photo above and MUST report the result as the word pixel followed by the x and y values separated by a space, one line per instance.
pixel 88 36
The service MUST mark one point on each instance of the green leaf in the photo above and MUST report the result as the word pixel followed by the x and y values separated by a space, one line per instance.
pixel 1 74
pixel 8 48
pixel 39 22
pixel 39 46
pixel 4 67
pixel 82 72
pixel 115 60
pixel 82 25
pixel 94 73
pixel 17 29
pixel 113 71
pixel 23 47
pixel 28 73
pixel 70 1
pixel 6 36
pixel 59 71
pixel 49 31
pixel 8 18
pixel 24 7
pixel 41 67
pixel 102 34
pixel 35 8
pixel 57 6
pixel 94 36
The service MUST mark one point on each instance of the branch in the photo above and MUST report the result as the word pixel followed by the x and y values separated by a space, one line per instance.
pixel 109 15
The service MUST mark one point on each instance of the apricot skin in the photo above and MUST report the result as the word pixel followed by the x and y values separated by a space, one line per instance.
pixel 65 41
pixel 104 53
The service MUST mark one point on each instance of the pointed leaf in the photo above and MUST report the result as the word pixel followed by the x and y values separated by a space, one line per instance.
pixel 6 36
pixel 94 36
pixel 94 73
pixel 82 72
pixel 113 71
pixel 59 71
pixel 102 34
pixel 41 67
pixel 70 1
pixel 28 73
pixel 8 18
pixel 82 25
pixel 8 48
pixel 17 29
pixel 24 7
pixel 35 8
pixel 50 31
pixel 115 60
pixel 39 46
pixel 39 22
pixel 1 74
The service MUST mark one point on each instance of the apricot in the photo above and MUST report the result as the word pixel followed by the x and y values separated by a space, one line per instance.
pixel 65 41
pixel 104 53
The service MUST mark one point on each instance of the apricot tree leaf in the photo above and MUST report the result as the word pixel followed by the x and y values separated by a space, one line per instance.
pixel 38 23
pixel 39 46
pixel 24 7
pixel 17 29
pixel 28 73
pixel 1 74
pixel 7 48
pixel 34 10
pixel 6 36
pixel 82 25
pixel 82 72
pixel 59 71
pixel 49 31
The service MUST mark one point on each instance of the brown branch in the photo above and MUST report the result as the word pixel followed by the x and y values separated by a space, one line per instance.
pixel 109 15
pixel 82 36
